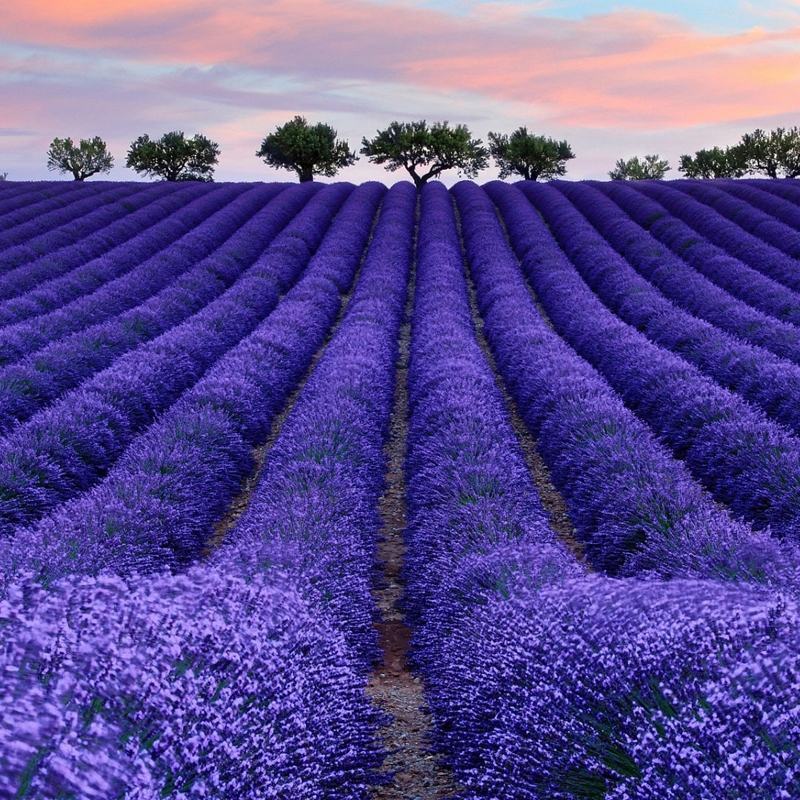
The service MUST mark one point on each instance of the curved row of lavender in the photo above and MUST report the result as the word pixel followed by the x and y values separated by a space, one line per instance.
pixel 766 381
pixel 59 265
pixel 315 508
pixel 156 506
pixel 69 445
pixel 747 462
pixel 243 676
pixel 545 682
pixel 233 680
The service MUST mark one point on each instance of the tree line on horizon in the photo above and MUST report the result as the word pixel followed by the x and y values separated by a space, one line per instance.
pixel 424 150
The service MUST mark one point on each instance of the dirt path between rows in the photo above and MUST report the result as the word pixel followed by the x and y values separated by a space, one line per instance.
pixel 240 503
pixel 551 498
pixel 393 687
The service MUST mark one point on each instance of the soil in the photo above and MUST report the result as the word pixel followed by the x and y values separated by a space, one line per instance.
pixel 414 772
pixel 551 498
pixel 240 503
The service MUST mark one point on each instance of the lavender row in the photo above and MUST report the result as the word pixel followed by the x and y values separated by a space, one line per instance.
pixel 774 205
pixel 746 461
pixel 202 685
pixel 747 216
pixel 635 508
pixel 24 242
pixel 474 518
pixel 767 381
pixel 542 682
pixel 311 731
pixel 28 221
pixel 314 510
pixel 124 222
pixel 624 690
pixel 173 247
pixel 679 282
pixel 734 276
pixel 41 199
pixel 473 512
pixel 786 189
pixel 45 374
pixel 156 507
pixel 720 231
pixel 68 447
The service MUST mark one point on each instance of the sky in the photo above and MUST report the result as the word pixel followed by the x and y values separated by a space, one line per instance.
pixel 614 79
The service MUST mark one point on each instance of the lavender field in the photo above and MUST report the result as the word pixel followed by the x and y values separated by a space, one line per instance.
pixel 323 491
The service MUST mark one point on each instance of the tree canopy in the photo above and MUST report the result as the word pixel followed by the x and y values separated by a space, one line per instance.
pixel 87 158
pixel 773 153
pixel 529 155
pixel 174 157
pixel 307 149
pixel 714 162
pixel 651 167
pixel 426 151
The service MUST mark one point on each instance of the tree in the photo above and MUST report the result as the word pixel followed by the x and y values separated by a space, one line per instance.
pixel 416 146
pixel 83 160
pixel 529 155
pixel 173 157
pixel 3 176
pixel 775 154
pixel 307 149
pixel 715 163
pixel 651 167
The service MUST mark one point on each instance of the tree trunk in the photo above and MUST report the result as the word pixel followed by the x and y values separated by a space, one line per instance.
pixel 306 174
pixel 418 181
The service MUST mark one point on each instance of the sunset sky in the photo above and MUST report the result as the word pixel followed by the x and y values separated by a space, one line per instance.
pixel 614 79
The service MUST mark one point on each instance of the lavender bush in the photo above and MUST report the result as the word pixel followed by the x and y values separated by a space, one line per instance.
pixel 154 644
pixel 731 274
pixel 202 685
pixel 746 461
pixel 623 689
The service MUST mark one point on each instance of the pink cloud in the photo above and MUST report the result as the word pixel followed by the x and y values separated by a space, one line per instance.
pixel 629 79
pixel 628 68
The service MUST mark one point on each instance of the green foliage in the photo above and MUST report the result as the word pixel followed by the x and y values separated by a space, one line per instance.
pixel 416 146
pixel 83 160
pixel 716 162
pixel 651 167
pixel 529 155
pixel 307 149
pixel 774 153
pixel 173 157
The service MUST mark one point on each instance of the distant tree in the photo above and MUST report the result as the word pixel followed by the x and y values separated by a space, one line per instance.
pixel 3 176
pixel 307 149
pixel 174 157
pixel 83 160
pixel 426 151
pixel 529 155
pixel 639 169
pixel 715 162
pixel 774 153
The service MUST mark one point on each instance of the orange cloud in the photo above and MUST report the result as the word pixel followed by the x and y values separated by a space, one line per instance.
pixel 119 67
pixel 627 68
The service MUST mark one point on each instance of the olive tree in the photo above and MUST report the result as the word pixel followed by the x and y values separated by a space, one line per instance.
pixel 307 149
pixel 714 162
pixel 426 151
pixel 650 167
pixel 82 160
pixel 174 157
pixel 775 154
pixel 529 155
